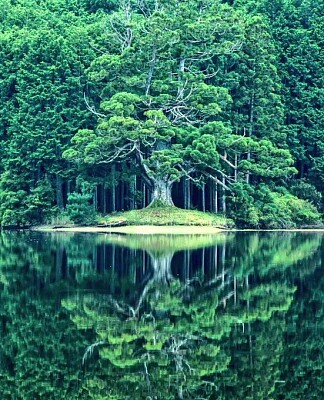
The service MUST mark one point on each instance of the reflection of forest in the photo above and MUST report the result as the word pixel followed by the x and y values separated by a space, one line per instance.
pixel 165 318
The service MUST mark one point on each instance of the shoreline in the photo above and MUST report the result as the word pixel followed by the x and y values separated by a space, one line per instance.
pixel 163 229
pixel 139 229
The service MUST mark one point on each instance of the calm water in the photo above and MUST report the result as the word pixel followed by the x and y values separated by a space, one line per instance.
pixel 109 317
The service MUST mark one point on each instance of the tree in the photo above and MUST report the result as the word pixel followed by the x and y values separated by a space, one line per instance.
pixel 158 91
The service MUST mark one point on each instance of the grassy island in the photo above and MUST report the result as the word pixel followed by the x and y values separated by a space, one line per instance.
pixel 169 216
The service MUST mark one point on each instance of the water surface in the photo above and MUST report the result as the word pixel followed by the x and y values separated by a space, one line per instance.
pixel 104 316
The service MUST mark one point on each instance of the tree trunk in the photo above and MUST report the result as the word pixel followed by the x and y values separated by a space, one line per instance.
pixel 203 198
pixel 113 188
pixel 122 195
pixel 187 194
pixel 95 198
pixel 162 193
pixel 144 196
pixel 133 193
pixel 104 200
pixel 224 199
pixel 216 198
pixel 59 192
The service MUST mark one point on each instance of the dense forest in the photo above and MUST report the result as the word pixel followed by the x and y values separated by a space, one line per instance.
pixel 113 105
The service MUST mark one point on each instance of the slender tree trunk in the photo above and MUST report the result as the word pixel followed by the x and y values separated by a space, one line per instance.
pixel 187 265
pixel 104 193
pixel 216 198
pixel 186 189
pixel 59 193
pixel 95 198
pixel 113 189
pixel 215 266
pixel 133 193
pixel 211 197
pixel 122 195
pixel 144 195
pixel 203 198
pixel 59 263
pixel 223 263
pixel 235 290
pixel 224 199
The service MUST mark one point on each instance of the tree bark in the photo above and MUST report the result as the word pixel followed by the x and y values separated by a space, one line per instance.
pixel 224 199
pixel 113 188
pixel 187 194
pixel 216 198
pixel 203 198
pixel 162 193
pixel 95 198
pixel 59 192
pixel 104 200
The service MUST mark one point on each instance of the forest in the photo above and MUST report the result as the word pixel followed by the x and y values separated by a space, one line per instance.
pixel 207 105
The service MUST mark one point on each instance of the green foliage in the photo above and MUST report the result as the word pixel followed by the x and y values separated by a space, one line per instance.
pixel 22 208
pixel 263 208
pixel 79 209
pixel 45 48
pixel 305 190
pixel 225 93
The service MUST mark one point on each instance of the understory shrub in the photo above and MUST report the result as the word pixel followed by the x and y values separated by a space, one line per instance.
pixel 260 207
pixel 22 208
pixel 79 209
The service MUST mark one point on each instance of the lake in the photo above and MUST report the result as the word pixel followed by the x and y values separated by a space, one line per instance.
pixel 113 317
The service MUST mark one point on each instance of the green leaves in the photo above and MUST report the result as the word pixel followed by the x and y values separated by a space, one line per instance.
pixel 224 93
pixel 121 104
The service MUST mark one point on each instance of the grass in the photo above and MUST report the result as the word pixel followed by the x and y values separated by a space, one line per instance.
pixel 169 216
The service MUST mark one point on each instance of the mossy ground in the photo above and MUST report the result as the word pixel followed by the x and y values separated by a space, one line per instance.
pixel 168 216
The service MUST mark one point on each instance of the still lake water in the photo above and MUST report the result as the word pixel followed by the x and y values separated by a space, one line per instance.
pixel 109 317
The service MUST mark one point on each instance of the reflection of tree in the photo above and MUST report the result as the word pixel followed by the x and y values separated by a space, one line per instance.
pixel 179 335
pixel 161 250
pixel 171 345
pixel 216 331
pixel 272 252
pixel 256 370
pixel 303 356
pixel 162 341
pixel 39 346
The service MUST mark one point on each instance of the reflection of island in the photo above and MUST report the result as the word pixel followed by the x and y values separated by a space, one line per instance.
pixel 167 244
pixel 231 327
pixel 161 250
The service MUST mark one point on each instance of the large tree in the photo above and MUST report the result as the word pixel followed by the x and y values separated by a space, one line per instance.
pixel 158 91
pixel 163 106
